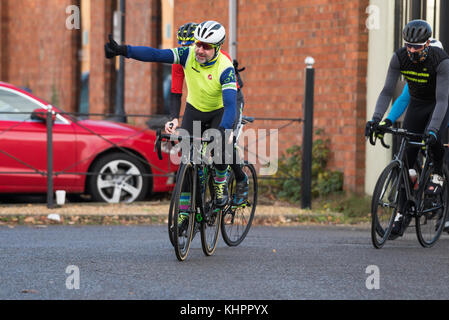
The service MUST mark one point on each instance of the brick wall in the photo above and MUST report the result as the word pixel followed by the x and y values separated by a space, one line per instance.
pixel 41 53
pixel 143 81
pixel 101 70
pixel 3 39
pixel 274 37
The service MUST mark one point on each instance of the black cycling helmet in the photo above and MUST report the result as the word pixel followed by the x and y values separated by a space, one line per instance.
pixel 417 31
pixel 185 33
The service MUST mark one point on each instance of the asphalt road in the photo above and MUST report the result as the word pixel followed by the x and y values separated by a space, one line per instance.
pixel 138 262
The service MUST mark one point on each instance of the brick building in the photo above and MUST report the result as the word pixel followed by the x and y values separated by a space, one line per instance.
pixel 274 37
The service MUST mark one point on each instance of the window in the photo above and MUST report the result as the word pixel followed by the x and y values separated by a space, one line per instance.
pixel 15 102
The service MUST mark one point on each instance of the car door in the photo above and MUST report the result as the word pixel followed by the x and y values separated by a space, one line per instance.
pixel 23 146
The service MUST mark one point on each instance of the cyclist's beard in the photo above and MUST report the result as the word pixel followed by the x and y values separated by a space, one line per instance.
pixel 204 62
pixel 418 56
pixel 200 59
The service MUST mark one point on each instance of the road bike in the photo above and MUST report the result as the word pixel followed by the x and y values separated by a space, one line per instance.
pixel 194 180
pixel 395 193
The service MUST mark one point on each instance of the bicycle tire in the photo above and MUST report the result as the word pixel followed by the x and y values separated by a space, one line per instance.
pixel 171 213
pixel 236 222
pixel 170 220
pixel 382 218
pixel 210 226
pixel 430 225
pixel 182 236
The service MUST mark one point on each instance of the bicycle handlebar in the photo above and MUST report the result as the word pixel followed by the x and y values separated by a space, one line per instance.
pixel 172 137
pixel 394 131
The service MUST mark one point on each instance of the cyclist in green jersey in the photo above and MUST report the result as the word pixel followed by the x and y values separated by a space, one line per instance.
pixel 211 99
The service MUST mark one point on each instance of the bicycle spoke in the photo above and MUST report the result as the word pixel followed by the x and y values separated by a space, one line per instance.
pixel 384 204
pixel 432 214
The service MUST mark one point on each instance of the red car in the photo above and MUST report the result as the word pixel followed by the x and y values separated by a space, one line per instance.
pixel 77 149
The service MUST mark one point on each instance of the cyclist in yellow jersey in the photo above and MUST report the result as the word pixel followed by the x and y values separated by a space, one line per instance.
pixel 211 99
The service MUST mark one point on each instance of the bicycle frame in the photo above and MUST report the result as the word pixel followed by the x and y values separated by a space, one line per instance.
pixel 401 158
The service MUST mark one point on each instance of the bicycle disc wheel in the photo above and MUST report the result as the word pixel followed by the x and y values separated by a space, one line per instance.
pixel 431 216
pixel 384 204
pixel 183 231
pixel 210 226
pixel 236 220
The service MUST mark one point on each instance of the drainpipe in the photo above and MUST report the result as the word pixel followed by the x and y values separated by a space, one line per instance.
pixel 444 24
pixel 233 29
pixel 119 109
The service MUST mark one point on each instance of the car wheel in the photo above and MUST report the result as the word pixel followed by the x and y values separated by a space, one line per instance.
pixel 113 185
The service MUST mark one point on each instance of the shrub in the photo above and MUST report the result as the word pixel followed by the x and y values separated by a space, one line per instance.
pixel 286 184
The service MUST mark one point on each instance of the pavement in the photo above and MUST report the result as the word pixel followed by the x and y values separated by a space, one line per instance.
pixel 137 262
pixel 147 212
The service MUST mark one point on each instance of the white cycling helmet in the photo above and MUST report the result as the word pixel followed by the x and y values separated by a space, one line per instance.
pixel 436 43
pixel 210 32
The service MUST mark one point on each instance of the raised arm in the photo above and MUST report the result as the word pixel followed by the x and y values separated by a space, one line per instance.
pixel 146 54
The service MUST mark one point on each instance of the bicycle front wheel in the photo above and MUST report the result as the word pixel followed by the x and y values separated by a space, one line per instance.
pixel 432 212
pixel 385 203
pixel 171 219
pixel 210 226
pixel 184 211
pixel 237 220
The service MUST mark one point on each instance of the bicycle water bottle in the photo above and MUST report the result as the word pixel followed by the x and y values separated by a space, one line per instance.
pixel 414 178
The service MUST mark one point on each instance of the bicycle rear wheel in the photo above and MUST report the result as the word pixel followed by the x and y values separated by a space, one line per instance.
pixel 210 226
pixel 384 204
pixel 183 231
pixel 432 213
pixel 237 220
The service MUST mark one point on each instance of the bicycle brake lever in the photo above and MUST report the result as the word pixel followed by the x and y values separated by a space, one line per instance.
pixel 384 144
pixel 157 145
pixel 372 139
pixel 158 136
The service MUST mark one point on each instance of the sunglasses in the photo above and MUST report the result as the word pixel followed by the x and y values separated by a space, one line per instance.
pixel 416 46
pixel 205 46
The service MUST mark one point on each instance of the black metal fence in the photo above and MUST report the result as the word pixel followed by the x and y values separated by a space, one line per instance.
pixel 49 116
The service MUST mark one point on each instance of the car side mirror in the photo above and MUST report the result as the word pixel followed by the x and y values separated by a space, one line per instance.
pixel 40 114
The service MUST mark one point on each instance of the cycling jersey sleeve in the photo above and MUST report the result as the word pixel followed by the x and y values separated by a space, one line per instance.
pixel 387 92
pixel 175 105
pixel 181 55
pixel 177 78
pixel 399 105
pixel 229 88
pixel 148 54
pixel 442 96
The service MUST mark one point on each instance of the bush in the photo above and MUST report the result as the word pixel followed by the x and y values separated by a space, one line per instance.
pixel 286 184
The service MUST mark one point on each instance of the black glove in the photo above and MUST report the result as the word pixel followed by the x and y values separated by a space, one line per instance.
pixel 378 133
pixel 386 123
pixel 371 127
pixel 112 49
pixel 431 138
pixel 236 66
